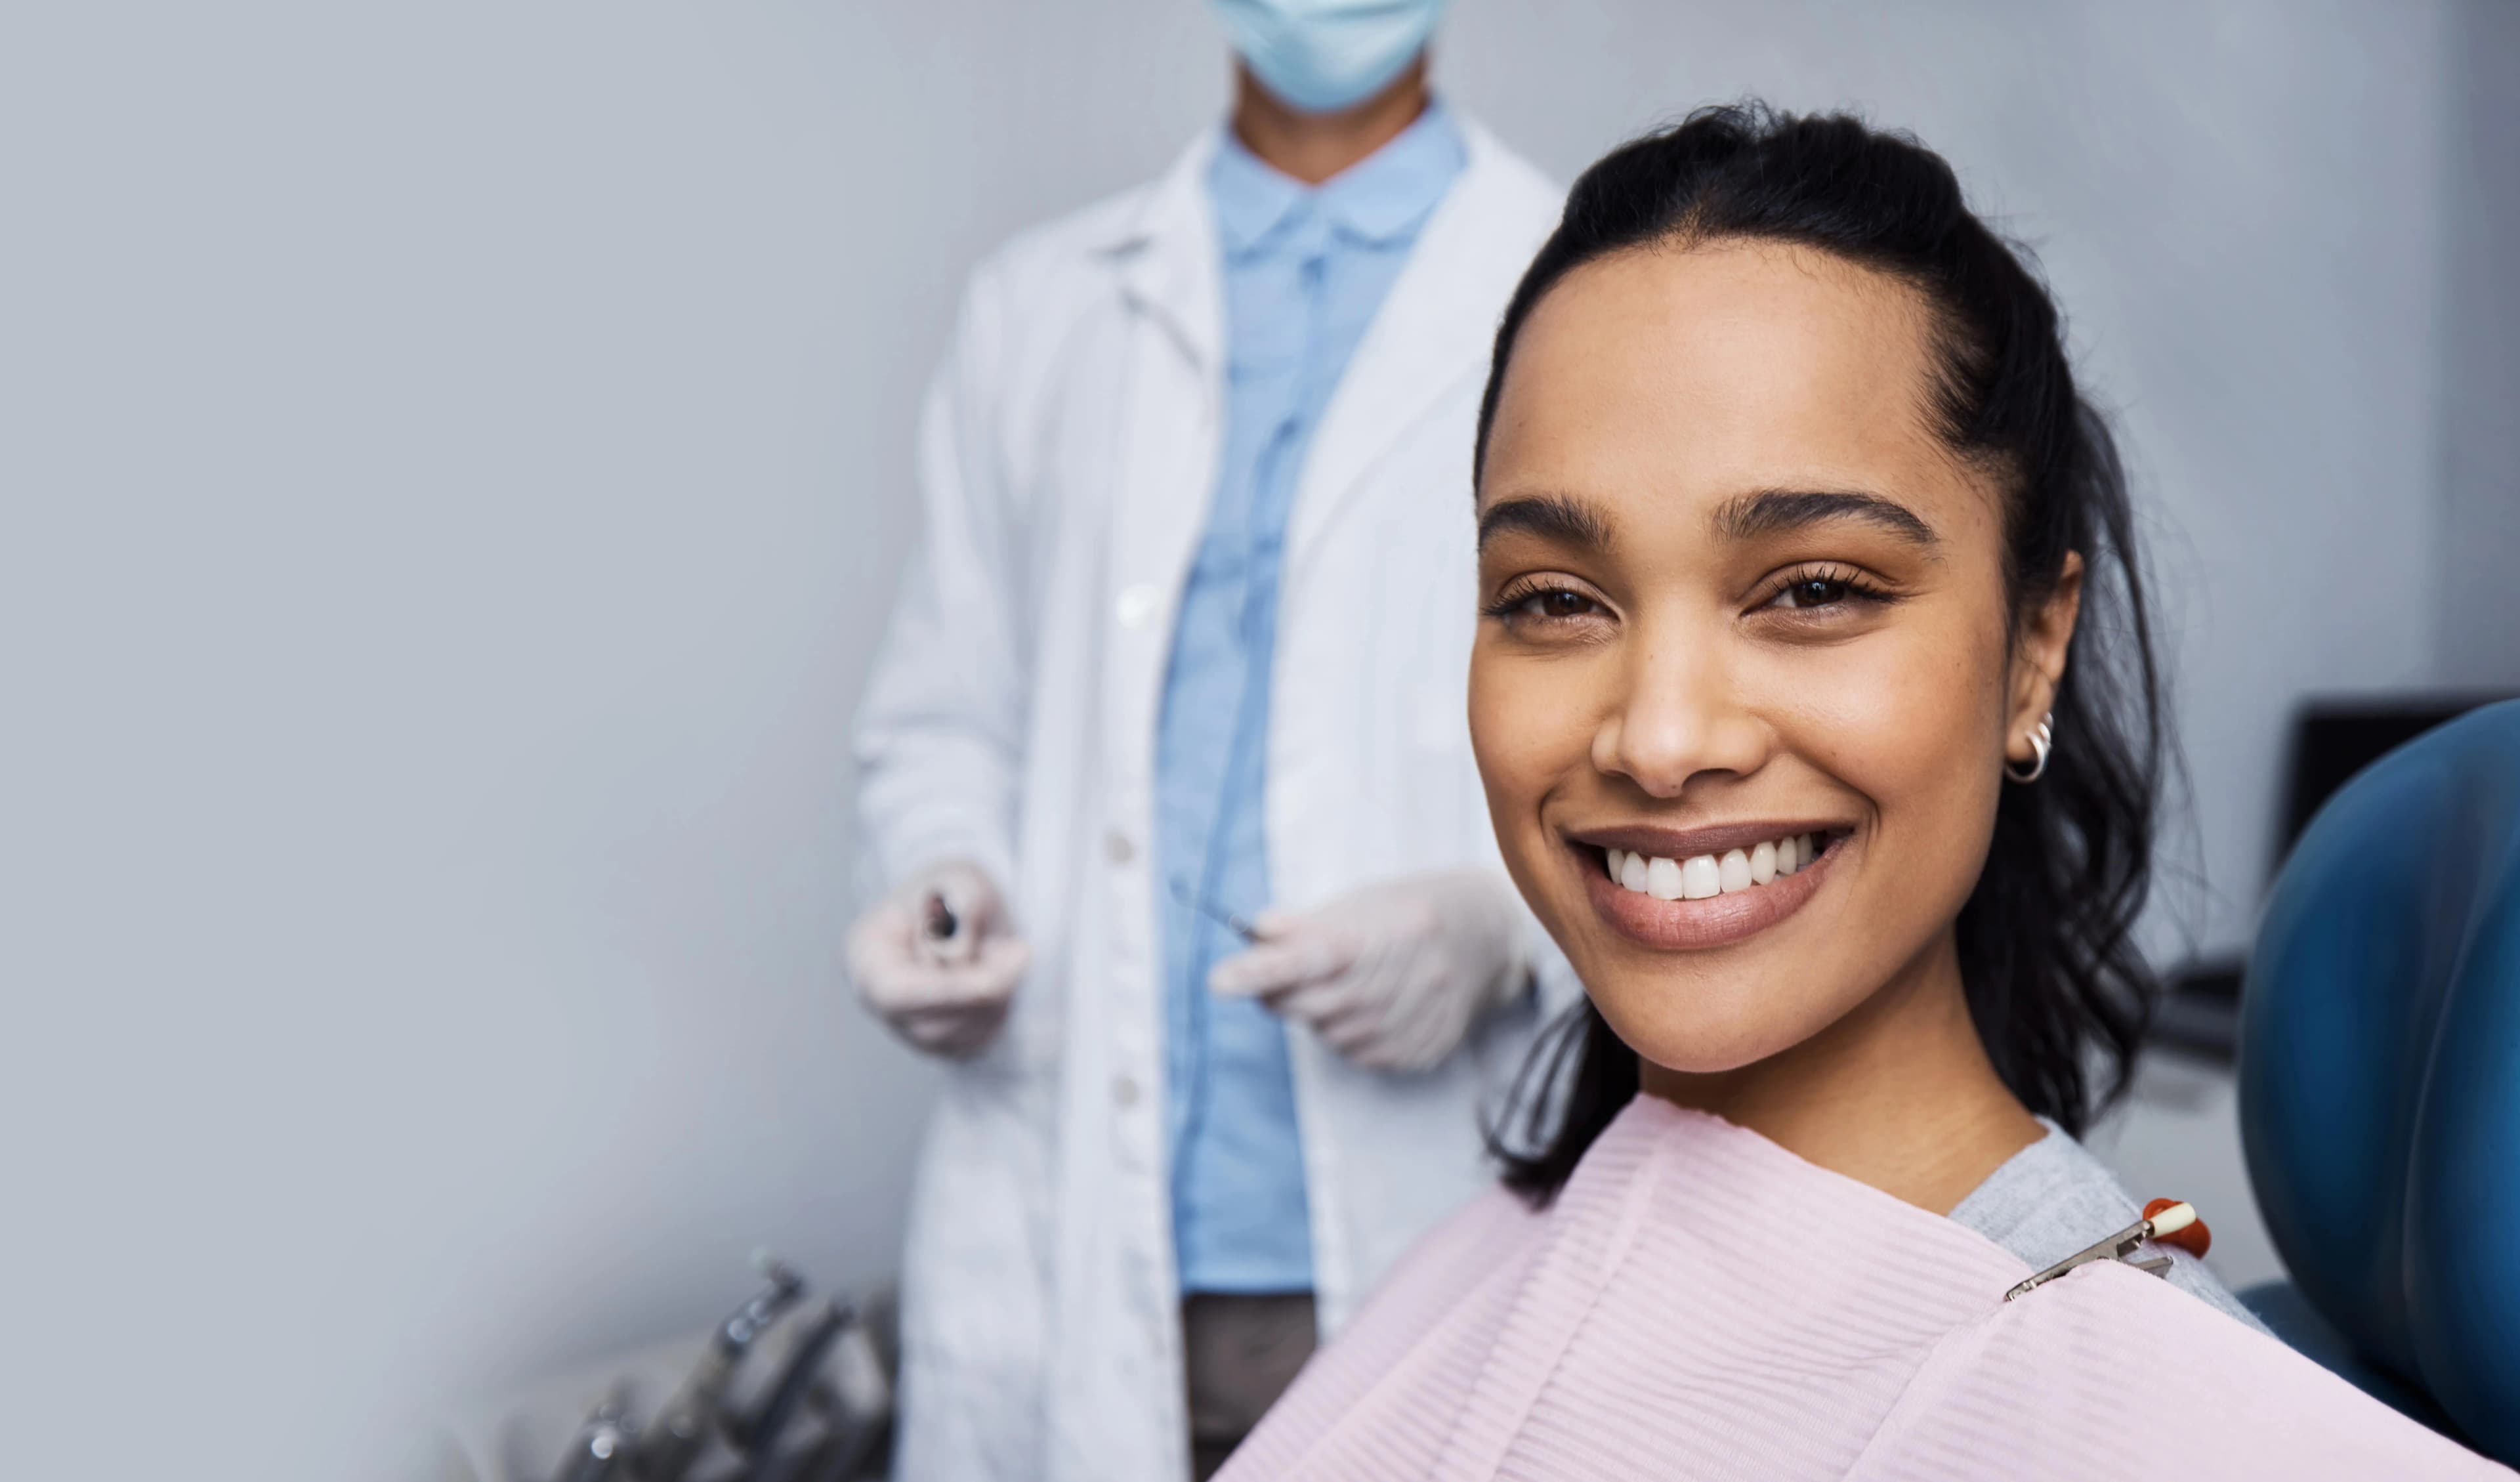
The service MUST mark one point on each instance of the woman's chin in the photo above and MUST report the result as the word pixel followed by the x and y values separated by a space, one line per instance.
pixel 1694 1039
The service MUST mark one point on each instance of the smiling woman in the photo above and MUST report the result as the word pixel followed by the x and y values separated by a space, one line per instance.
pixel 1788 511
pixel 1815 704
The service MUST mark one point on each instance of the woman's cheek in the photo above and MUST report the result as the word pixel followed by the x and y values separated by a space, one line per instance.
pixel 1527 713
pixel 1903 721
pixel 1891 710
pixel 1527 735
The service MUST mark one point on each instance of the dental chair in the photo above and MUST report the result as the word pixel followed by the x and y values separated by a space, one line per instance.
pixel 2379 1085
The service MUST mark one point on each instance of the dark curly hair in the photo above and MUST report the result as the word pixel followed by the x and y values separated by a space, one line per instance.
pixel 2055 981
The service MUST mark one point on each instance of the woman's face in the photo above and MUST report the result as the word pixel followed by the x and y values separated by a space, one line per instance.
pixel 1744 689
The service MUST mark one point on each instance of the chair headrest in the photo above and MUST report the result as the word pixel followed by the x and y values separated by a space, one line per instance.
pixel 2380 1067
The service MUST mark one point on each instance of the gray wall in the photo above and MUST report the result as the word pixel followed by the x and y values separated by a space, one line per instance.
pixel 455 463
pixel 2478 595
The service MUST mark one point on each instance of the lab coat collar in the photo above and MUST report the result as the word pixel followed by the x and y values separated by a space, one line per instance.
pixel 1167 255
pixel 1424 340
pixel 1431 334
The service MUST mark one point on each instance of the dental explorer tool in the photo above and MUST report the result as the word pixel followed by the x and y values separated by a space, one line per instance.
pixel 1240 927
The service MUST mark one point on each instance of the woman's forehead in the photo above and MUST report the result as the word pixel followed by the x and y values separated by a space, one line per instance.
pixel 1718 371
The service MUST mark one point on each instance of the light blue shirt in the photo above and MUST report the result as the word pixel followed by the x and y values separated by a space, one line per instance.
pixel 1305 270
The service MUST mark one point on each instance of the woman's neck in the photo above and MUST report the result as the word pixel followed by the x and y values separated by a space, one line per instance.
pixel 1899 1094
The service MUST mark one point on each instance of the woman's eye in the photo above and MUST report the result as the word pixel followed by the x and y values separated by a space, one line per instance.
pixel 1813 592
pixel 1818 591
pixel 1547 604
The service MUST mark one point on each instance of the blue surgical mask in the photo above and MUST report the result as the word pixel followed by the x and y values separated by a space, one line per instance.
pixel 1322 56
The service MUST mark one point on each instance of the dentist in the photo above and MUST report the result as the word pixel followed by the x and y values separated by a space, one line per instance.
pixel 1165 775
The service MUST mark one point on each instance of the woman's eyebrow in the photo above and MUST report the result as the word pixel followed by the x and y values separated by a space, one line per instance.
pixel 1560 517
pixel 1770 511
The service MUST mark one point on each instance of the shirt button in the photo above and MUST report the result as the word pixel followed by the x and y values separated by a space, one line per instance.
pixel 1124 1090
pixel 1116 847
pixel 1136 605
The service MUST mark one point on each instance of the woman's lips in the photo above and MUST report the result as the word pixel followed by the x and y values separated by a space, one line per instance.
pixel 1718 921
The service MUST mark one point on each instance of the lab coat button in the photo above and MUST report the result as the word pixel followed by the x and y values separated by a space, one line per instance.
pixel 1124 1090
pixel 1116 847
pixel 1138 604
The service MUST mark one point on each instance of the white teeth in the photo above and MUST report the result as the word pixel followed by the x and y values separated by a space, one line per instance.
pixel 1703 876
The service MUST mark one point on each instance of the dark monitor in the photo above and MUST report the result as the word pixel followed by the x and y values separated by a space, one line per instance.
pixel 2336 737
pixel 2332 739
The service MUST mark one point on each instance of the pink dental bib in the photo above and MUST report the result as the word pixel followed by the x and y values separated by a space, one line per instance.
pixel 1700 1303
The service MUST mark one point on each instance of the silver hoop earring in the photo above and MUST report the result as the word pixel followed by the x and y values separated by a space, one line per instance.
pixel 2040 741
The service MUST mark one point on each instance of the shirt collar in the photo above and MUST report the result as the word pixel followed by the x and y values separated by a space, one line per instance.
pixel 1380 197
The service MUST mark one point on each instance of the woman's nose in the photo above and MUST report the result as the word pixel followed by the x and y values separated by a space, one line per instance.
pixel 1681 718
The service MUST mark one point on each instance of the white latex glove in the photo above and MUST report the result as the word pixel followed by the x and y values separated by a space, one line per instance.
pixel 939 959
pixel 1392 975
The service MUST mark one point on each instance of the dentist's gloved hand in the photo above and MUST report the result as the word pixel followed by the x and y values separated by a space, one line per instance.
pixel 1394 975
pixel 939 959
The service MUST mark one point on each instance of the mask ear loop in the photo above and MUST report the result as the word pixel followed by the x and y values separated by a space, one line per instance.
pixel 2040 741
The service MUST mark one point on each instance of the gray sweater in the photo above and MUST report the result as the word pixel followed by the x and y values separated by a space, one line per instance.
pixel 2053 1197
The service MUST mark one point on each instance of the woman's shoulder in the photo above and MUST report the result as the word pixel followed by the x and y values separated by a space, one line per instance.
pixel 2096 1373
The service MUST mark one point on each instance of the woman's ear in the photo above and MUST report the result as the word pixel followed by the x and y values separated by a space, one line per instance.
pixel 2038 657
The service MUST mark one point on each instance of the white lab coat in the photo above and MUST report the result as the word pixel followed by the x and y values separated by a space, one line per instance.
pixel 1066 457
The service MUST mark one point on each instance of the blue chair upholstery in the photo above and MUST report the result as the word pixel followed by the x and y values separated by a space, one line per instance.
pixel 2380 1076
